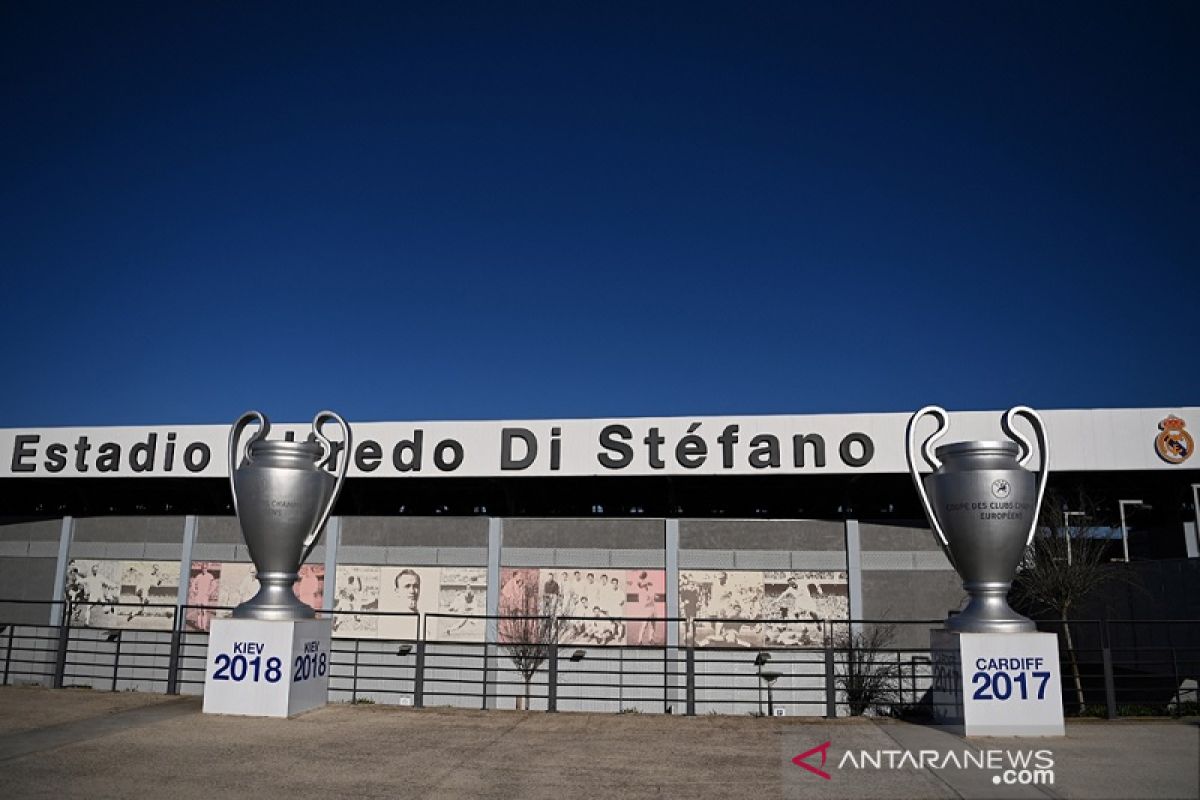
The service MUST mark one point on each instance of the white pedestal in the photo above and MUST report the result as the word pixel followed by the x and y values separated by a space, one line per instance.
pixel 997 684
pixel 267 669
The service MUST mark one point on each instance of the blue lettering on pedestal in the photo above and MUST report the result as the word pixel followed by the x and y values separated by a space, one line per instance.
pixel 312 664
pixel 237 667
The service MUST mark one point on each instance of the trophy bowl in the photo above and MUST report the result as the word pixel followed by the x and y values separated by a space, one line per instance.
pixel 283 499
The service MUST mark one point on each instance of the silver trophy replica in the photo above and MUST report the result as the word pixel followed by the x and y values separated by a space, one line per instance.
pixel 983 506
pixel 282 499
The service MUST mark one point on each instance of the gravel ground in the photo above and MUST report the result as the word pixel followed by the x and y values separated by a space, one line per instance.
pixel 28 707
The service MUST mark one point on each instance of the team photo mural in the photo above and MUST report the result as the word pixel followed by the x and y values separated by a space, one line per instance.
pixel 595 601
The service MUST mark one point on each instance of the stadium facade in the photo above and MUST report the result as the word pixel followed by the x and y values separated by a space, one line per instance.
pixel 792 518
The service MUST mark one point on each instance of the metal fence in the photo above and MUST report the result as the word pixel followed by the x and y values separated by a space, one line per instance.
pixel 726 666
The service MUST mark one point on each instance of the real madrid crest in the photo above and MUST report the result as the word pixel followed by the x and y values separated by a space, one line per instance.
pixel 1174 444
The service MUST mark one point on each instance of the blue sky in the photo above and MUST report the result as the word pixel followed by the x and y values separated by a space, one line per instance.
pixel 443 211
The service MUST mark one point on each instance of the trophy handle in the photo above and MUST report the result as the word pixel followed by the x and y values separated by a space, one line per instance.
pixel 327 447
pixel 264 428
pixel 1039 429
pixel 927 453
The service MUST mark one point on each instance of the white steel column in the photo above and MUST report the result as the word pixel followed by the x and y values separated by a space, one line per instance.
pixel 333 538
pixel 190 524
pixel 66 535
pixel 671 548
pixel 492 626
pixel 854 573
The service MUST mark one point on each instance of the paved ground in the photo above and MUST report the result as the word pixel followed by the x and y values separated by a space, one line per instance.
pixel 78 743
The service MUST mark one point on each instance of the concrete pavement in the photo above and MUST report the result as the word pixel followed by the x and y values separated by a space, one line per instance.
pixel 73 743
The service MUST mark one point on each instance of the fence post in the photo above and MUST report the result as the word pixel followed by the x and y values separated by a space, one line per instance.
pixel 116 661
pixel 552 698
pixel 8 653
pixel 173 658
pixel 691 681
pixel 64 638
pixel 666 680
pixel 1175 672
pixel 419 677
pixel 1110 689
pixel 830 684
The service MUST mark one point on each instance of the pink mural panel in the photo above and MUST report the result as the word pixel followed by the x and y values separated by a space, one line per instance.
pixel 204 584
pixel 646 606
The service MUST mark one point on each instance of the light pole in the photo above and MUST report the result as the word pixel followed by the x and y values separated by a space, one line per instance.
pixel 1124 530
pixel 1067 529
pixel 1196 510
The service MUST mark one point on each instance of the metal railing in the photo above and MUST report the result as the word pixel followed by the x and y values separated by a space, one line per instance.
pixel 1110 668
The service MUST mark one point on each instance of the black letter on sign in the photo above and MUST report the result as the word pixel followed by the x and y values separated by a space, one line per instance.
pixel 818 445
pixel 108 457
pixel 507 435
pixel 765 452
pixel 413 446
pixel 56 457
pixel 727 440
pixel 367 455
pixel 555 448
pixel 146 450
pixel 21 452
pixel 81 448
pixel 439 455
pixel 610 438
pixel 868 449
pixel 196 457
pixel 653 441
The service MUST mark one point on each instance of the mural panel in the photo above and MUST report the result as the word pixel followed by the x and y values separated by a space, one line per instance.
pixel 117 594
pixel 646 604
pixel 463 590
pixel 357 591
pixel 227 584
pixel 94 585
pixel 204 589
pixel 782 609
pixel 237 584
pixel 409 591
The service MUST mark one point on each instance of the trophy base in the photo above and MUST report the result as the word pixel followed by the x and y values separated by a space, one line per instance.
pixel 258 668
pixel 988 611
pixel 1006 684
pixel 275 601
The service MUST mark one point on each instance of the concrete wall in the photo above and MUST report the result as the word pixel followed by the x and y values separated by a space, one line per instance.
pixel 28 555
pixel 906 576
pixel 219 539
pixel 762 544
pixel 414 541
pixel 149 538
pixel 629 543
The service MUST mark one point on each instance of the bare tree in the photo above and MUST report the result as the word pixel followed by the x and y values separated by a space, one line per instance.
pixel 530 635
pixel 1068 560
pixel 868 676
